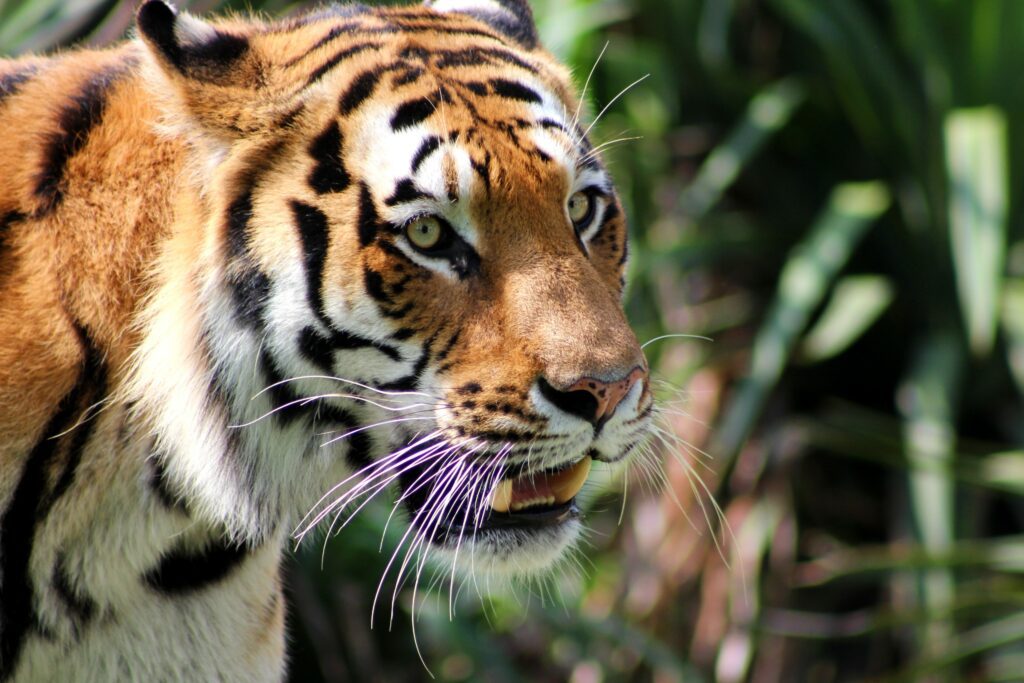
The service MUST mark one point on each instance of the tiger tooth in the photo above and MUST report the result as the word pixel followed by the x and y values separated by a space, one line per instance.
pixel 571 486
pixel 523 504
pixel 502 498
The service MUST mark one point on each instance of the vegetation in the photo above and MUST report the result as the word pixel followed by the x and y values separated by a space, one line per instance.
pixel 826 191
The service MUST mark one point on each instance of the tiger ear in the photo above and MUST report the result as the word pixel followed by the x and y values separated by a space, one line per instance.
pixel 511 17
pixel 214 74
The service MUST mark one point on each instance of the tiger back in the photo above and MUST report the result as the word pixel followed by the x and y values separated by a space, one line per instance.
pixel 254 272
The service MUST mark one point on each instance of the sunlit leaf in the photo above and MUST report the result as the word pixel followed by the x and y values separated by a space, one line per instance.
pixel 856 302
pixel 1013 324
pixel 768 112
pixel 978 202
pixel 804 282
pixel 927 400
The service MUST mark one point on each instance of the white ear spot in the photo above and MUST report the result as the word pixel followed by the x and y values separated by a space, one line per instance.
pixel 466 6
pixel 189 31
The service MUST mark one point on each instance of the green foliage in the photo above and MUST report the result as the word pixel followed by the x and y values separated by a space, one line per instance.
pixel 826 190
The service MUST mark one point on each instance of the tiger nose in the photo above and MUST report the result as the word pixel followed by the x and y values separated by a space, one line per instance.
pixel 589 398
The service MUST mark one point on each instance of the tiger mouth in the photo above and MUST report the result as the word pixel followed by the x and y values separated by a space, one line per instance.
pixel 537 499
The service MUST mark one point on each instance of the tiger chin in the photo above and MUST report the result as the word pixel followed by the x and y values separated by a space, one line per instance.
pixel 253 274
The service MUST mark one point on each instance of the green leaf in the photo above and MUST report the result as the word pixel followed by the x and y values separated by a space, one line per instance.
pixel 768 112
pixel 927 401
pixel 855 305
pixel 978 199
pixel 805 280
pixel 1013 325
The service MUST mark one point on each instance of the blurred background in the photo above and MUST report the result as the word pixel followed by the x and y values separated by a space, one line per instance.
pixel 829 193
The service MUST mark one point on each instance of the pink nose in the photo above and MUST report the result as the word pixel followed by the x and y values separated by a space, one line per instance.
pixel 608 394
pixel 591 399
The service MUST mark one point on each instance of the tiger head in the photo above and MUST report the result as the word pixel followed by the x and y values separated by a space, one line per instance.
pixel 402 262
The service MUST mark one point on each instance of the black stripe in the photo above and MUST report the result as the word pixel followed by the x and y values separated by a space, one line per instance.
pixel 162 487
pixel 281 394
pixel 408 76
pixel 81 608
pixel 410 381
pixel 250 287
pixel 97 374
pixel 328 37
pixel 406 191
pixel 375 285
pixel 27 509
pixel 451 58
pixel 184 570
pixel 369 222
pixel 313 231
pixel 317 411
pixel 6 254
pixel 390 248
pixel 11 82
pixel 421 27
pixel 443 353
pixel 329 174
pixel 347 340
pixel 611 212
pixel 477 87
pixel 402 333
pixel 76 121
pixel 319 349
pixel 362 87
pixel 483 169
pixel 337 59
pixel 359 444
pixel 455 58
pixel 514 91
pixel 428 147
pixel 412 112
pixel 551 123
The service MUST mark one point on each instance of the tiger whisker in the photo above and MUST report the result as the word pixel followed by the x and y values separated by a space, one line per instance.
pixel 485 492
pixel 416 485
pixel 371 426
pixel 306 400
pixel 401 543
pixel 675 336
pixel 382 463
pixel 697 486
pixel 604 145
pixel 611 102
pixel 428 474
pixel 372 484
pixel 586 84
pixel 384 392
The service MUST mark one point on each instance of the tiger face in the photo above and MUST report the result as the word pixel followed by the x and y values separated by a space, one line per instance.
pixel 410 277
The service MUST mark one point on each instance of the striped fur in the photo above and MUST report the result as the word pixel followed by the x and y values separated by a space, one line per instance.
pixel 198 229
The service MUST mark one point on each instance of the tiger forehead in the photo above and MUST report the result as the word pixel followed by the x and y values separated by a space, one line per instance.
pixel 403 43
pixel 443 124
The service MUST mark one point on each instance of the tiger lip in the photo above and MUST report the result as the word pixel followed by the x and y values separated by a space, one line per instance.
pixel 540 488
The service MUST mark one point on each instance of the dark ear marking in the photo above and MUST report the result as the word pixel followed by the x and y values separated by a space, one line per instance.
pixel 512 18
pixel 193 47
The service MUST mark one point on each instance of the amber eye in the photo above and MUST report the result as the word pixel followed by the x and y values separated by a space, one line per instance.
pixel 424 232
pixel 580 208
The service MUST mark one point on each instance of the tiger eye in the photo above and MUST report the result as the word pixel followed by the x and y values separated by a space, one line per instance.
pixel 579 206
pixel 424 232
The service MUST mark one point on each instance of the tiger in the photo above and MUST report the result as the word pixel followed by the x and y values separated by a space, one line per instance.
pixel 253 269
